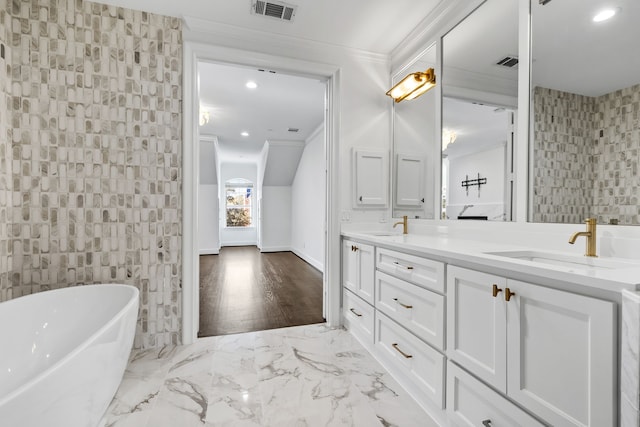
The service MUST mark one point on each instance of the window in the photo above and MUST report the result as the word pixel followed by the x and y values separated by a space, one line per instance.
pixel 238 203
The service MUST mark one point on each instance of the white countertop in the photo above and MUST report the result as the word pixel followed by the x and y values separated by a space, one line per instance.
pixel 473 253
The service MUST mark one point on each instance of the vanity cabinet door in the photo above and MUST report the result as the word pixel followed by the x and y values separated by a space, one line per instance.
pixel 561 355
pixel 470 403
pixel 476 324
pixel 358 269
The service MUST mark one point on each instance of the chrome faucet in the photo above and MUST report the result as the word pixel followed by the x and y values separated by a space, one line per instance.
pixel 590 234
pixel 405 225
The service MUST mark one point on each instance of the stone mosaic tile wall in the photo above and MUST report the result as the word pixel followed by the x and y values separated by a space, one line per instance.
pixel 563 156
pixel 96 108
pixel 617 182
pixel 5 152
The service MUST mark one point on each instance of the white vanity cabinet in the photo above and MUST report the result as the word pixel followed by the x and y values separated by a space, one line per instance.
pixel 470 403
pixel 551 351
pixel 358 269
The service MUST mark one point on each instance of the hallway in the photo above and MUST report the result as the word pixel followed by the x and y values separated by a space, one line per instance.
pixel 243 290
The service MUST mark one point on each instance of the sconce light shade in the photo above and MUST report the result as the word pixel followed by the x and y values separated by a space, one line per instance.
pixel 204 118
pixel 413 85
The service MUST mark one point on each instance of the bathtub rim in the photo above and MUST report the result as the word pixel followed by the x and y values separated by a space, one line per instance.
pixel 134 300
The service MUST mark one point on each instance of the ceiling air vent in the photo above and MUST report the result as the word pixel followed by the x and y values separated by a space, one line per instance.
pixel 274 9
pixel 294 130
pixel 508 61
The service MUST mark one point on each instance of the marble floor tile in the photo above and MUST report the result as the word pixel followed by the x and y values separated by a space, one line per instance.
pixel 300 376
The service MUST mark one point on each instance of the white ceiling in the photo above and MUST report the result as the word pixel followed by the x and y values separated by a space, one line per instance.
pixel 574 54
pixel 280 102
pixel 478 127
pixel 372 25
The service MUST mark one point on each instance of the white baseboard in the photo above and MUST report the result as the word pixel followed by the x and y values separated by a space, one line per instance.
pixel 210 251
pixel 314 262
pixel 247 243
pixel 276 249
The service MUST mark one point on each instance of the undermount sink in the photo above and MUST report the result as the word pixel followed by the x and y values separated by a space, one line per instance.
pixel 382 233
pixel 565 260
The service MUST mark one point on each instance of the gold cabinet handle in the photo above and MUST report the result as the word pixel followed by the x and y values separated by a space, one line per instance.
pixel 355 249
pixel 496 290
pixel 486 423
pixel 404 305
pixel 508 294
pixel 408 267
pixel 355 312
pixel 407 356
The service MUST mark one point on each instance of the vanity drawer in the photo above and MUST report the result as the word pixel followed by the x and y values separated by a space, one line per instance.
pixel 358 317
pixel 417 309
pixel 423 272
pixel 470 403
pixel 418 366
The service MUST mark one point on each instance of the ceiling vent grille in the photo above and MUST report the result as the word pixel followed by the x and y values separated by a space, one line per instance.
pixel 508 61
pixel 294 130
pixel 274 9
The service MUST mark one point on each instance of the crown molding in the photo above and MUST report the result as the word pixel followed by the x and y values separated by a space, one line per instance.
pixel 205 31
pixel 284 143
pixel 442 18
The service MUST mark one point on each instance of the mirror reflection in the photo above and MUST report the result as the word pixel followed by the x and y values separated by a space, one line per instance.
pixel 480 86
pixel 415 147
pixel 586 109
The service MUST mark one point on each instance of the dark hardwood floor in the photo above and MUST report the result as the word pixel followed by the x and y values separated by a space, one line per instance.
pixel 243 290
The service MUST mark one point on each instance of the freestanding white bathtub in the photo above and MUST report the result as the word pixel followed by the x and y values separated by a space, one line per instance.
pixel 63 354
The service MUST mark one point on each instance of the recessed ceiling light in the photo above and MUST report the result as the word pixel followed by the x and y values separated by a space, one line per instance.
pixel 251 84
pixel 603 15
pixel 245 133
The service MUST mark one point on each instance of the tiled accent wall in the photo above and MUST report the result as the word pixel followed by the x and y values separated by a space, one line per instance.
pixel 617 181
pixel 96 154
pixel 586 152
pixel 5 153
pixel 563 156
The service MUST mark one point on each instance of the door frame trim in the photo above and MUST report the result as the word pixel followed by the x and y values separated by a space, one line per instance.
pixel 195 52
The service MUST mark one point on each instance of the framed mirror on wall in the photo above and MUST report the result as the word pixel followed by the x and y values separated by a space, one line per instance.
pixel 415 145
pixel 480 97
pixel 585 124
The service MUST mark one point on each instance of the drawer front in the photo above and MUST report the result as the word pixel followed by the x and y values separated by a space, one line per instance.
pixel 417 309
pixel 470 403
pixel 417 365
pixel 420 271
pixel 358 317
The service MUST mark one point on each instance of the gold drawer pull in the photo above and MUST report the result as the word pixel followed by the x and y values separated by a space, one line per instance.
pixel 407 356
pixel 496 290
pixel 408 267
pixel 508 294
pixel 354 248
pixel 404 305
pixel 355 312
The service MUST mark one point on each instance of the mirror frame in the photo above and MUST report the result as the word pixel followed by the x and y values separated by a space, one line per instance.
pixel 457 11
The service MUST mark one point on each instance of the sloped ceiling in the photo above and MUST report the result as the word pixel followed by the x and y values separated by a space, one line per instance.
pixel 282 162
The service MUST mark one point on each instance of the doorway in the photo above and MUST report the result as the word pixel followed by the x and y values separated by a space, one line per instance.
pixel 194 53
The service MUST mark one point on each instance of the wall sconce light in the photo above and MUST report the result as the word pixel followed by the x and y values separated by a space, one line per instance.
pixel 204 117
pixel 413 85
pixel 448 137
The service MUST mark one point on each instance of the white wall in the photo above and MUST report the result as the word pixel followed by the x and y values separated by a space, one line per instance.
pixel 276 219
pixel 238 236
pixel 308 207
pixel 208 241
pixel 490 164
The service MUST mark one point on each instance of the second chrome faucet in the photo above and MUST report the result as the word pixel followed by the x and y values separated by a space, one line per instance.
pixel 590 234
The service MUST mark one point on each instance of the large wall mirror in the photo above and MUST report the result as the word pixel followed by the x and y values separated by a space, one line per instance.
pixel 416 146
pixel 479 90
pixel 585 142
